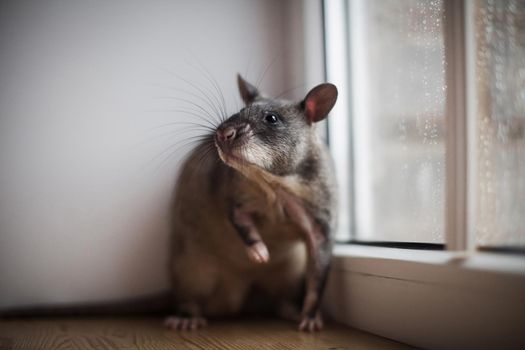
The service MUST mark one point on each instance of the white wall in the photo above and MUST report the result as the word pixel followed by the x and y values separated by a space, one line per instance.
pixel 83 201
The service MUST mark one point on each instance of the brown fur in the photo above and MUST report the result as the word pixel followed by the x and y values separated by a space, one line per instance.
pixel 280 188
pixel 209 259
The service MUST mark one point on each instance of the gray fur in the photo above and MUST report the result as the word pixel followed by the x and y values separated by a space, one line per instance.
pixel 272 193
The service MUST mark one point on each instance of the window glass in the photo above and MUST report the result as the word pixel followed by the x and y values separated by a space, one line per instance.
pixel 499 30
pixel 398 102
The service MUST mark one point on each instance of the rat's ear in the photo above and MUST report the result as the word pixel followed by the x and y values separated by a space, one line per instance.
pixel 248 92
pixel 319 101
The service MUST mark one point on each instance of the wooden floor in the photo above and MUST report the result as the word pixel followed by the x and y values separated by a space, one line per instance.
pixel 148 333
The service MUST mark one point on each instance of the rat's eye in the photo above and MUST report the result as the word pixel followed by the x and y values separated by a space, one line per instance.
pixel 271 118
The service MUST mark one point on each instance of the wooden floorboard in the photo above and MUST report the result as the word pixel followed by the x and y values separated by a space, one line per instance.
pixel 148 333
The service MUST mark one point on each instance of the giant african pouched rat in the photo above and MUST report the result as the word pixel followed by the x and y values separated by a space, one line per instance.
pixel 254 211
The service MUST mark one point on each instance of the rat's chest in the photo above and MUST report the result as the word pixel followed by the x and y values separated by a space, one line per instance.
pixel 277 214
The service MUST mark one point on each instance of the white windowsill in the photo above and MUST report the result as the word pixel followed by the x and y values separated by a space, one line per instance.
pixel 430 299
pixel 486 261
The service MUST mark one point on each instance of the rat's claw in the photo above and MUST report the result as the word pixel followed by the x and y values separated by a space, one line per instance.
pixel 258 253
pixel 184 323
pixel 311 324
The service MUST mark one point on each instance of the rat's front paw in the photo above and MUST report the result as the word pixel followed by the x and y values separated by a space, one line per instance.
pixel 258 253
pixel 311 324
pixel 177 323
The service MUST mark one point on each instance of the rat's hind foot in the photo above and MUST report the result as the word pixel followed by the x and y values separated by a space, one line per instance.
pixel 258 252
pixel 311 324
pixel 178 323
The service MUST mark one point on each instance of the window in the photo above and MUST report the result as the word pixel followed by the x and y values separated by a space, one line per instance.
pixel 429 140
pixel 397 82
pixel 498 64
pixel 405 109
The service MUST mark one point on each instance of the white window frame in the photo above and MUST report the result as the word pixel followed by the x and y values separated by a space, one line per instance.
pixel 456 298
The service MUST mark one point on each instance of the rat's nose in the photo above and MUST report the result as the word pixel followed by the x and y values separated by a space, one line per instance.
pixel 226 135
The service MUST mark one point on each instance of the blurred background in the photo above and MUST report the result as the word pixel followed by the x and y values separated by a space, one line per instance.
pixel 100 100
pixel 395 64
pixel 93 100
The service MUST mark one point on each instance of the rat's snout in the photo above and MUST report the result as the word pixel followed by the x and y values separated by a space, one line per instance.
pixel 226 135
